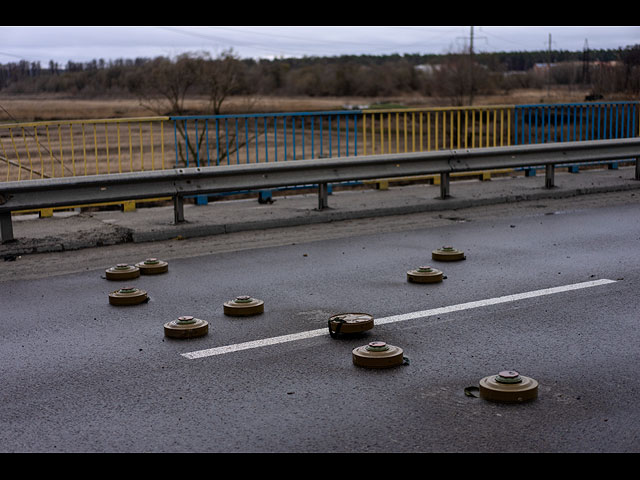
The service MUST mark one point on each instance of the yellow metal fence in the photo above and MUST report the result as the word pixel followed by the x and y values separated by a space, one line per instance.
pixel 405 130
pixel 83 147
pixel 87 147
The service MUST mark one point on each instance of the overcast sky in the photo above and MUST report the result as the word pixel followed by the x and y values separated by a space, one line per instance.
pixel 81 44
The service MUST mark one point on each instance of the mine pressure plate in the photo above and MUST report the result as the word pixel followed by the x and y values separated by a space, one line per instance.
pixel 243 305
pixel 128 296
pixel 186 327
pixel 350 323
pixel 424 275
pixel 508 386
pixel 377 355
pixel 447 254
pixel 122 271
pixel 152 266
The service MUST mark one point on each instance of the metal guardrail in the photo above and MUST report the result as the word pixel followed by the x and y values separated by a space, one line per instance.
pixel 564 122
pixel 178 183
pixel 70 148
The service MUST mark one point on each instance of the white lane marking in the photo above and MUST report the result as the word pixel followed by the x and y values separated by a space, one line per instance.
pixel 396 318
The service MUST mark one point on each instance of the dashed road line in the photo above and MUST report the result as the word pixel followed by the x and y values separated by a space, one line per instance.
pixel 396 318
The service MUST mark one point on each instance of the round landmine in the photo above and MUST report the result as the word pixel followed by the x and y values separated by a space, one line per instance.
pixel 128 296
pixel 377 355
pixel 186 327
pixel 350 323
pixel 243 306
pixel 447 254
pixel 424 275
pixel 508 387
pixel 152 266
pixel 122 271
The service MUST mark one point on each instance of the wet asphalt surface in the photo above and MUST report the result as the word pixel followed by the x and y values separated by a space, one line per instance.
pixel 80 375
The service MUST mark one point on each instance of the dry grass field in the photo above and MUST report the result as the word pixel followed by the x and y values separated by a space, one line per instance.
pixel 30 108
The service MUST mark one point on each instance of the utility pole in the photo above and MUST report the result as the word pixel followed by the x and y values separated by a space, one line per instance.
pixel 586 78
pixel 470 72
pixel 549 70
pixel 471 67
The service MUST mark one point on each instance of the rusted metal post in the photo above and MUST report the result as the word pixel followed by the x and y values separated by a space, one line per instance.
pixel 323 196
pixel 549 176
pixel 6 228
pixel 178 209
pixel 444 185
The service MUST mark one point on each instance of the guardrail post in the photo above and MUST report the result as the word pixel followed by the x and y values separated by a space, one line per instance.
pixel 637 168
pixel 6 228
pixel 444 185
pixel 549 175
pixel 323 196
pixel 178 209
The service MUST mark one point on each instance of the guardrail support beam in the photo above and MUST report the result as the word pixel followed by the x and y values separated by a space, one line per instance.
pixel 444 185
pixel 178 209
pixel 323 196
pixel 6 228
pixel 549 176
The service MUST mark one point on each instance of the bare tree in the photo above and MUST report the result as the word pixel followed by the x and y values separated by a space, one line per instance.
pixel 452 79
pixel 630 57
pixel 164 85
pixel 221 78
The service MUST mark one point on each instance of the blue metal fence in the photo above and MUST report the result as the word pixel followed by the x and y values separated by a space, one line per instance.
pixel 256 138
pixel 202 140
pixel 570 122
pixel 574 122
pixel 271 137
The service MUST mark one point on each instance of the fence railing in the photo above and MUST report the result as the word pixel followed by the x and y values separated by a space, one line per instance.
pixel 418 130
pixel 83 147
pixel 264 138
pixel 88 147
pixel 575 122
pixel 178 183
pixel 544 123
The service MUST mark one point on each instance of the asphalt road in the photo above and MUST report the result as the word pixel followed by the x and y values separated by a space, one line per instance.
pixel 80 375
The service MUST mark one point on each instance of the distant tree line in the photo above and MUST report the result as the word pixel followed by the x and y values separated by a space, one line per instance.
pixel 165 83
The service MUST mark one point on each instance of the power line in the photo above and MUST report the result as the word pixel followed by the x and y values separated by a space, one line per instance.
pixel 12 55
pixel 304 43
